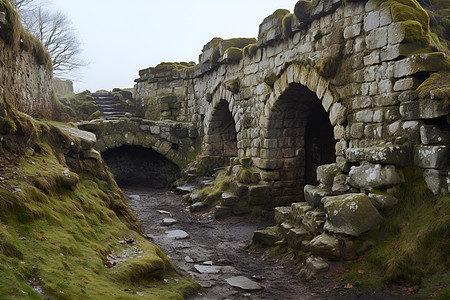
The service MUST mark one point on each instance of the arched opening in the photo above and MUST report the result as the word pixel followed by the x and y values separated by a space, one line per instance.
pixel 138 166
pixel 221 133
pixel 299 138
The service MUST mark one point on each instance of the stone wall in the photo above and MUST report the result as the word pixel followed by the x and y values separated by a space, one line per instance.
pixel 25 82
pixel 353 60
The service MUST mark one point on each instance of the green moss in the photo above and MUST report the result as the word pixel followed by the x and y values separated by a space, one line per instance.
pixel 250 50
pixel 233 86
pixel 287 25
pixel 439 85
pixel 232 55
pixel 327 66
pixel 7 126
pixel 414 33
pixel 406 10
pixel 239 43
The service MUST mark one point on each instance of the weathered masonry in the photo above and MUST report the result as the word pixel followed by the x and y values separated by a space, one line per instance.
pixel 336 82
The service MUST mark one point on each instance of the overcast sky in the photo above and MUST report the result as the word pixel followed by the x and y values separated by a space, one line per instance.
pixel 121 37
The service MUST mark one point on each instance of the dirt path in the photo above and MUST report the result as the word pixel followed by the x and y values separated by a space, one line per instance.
pixel 216 251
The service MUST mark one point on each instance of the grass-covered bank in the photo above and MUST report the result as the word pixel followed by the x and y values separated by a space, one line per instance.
pixel 411 246
pixel 65 226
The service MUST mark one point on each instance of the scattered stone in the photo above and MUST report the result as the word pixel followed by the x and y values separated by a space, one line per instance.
pixel 383 201
pixel 208 263
pixel 185 189
pixel 215 269
pixel 313 222
pixel 196 207
pixel 368 176
pixel 266 237
pixel 326 246
pixel 350 214
pixel 189 260
pixel 243 283
pixel 229 199
pixel 295 236
pixel 315 266
pixel 177 234
pixel 163 212
pixel 222 212
pixel 169 221
pixel 298 211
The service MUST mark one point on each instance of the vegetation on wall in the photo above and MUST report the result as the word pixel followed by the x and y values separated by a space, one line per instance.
pixel 18 38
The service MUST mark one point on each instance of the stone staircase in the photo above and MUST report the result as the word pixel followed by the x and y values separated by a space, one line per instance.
pixel 110 107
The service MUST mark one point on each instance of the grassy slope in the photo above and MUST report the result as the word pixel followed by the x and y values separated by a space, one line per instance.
pixel 411 245
pixel 56 231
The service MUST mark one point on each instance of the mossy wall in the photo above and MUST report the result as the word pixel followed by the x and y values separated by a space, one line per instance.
pixel 25 69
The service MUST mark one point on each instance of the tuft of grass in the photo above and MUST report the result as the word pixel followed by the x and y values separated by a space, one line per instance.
pixel 413 241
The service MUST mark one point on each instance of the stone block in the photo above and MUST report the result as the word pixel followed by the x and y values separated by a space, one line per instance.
pixel 430 109
pixel 314 194
pixel 407 96
pixel 388 155
pixel 268 164
pixel 326 246
pixel 433 180
pixel 427 62
pixel 229 199
pixel 298 211
pixel 383 201
pixel 410 110
pixel 87 139
pixel 267 237
pixel 259 195
pixel 340 184
pixel 357 130
pixel 392 52
pixel 372 21
pixel 295 236
pixel 222 212
pixel 372 59
pixel 326 174
pixel 281 214
pixel 352 31
pixel 408 83
pixel 377 38
pixel 315 266
pixel 338 114
pixel 313 221
pixel 431 157
pixel 430 134
pixel 369 176
pixel 351 214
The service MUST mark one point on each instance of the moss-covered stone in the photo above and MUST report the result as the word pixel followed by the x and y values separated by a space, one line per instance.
pixel 327 66
pixel 250 50
pixel 232 55
pixel 7 126
pixel 233 86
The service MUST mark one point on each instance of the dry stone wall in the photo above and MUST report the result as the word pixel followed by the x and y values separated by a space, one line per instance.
pixel 25 82
pixel 352 59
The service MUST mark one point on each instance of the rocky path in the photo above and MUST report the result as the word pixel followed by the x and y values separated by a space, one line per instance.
pixel 214 253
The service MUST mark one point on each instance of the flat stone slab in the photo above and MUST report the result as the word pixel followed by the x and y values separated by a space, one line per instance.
pixel 163 212
pixel 243 283
pixel 169 221
pixel 186 189
pixel 177 234
pixel 215 269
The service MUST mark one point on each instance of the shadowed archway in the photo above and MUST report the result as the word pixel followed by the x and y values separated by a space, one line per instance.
pixel 221 133
pixel 299 138
pixel 138 166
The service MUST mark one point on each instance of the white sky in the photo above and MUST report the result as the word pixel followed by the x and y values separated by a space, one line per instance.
pixel 121 37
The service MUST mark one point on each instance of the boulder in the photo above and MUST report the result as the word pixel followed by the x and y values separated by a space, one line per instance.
pixel 315 266
pixel 87 139
pixel 368 176
pixel 314 194
pixel 326 174
pixel 431 157
pixel 392 155
pixel 229 199
pixel 266 237
pixel 295 236
pixel 350 214
pixel 383 201
pixel 326 246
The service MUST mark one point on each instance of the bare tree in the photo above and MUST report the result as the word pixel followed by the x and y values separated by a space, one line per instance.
pixel 56 33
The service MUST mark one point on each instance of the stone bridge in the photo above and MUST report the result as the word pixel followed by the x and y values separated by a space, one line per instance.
pixel 335 82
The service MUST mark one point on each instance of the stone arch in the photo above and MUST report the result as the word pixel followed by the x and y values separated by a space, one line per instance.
pixel 220 133
pixel 140 166
pixel 297 118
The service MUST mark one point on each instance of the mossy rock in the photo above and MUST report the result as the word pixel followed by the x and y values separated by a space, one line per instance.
pixel 437 84
pixel 250 50
pixel 7 126
pixel 327 66
pixel 233 86
pixel 239 43
pixel 94 116
pixel 232 55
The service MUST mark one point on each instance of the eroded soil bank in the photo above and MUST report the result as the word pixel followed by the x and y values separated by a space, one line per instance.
pixel 219 250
